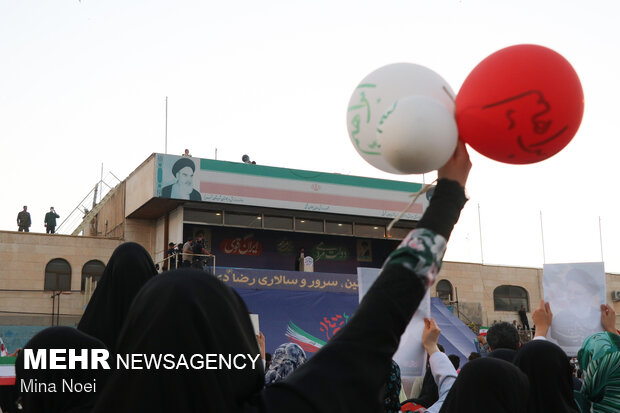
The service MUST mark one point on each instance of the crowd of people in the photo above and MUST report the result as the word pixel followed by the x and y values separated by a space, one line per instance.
pixel 544 375
pixel 186 311
pixel 193 253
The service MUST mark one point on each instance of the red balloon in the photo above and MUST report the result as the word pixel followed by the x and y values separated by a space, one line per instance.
pixel 520 105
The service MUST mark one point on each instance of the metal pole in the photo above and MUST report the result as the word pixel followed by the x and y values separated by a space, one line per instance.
pixel 95 196
pixel 216 154
pixel 58 312
pixel 480 231
pixel 101 182
pixel 542 236
pixel 166 133
pixel 53 306
pixel 600 234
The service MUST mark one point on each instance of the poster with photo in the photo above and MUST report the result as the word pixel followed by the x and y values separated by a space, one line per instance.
pixel 176 178
pixel 364 250
pixel 575 293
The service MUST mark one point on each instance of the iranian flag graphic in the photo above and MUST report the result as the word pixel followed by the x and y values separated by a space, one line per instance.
pixel 305 340
pixel 7 371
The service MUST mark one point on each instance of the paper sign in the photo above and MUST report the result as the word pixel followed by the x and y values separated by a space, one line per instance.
pixel 254 320
pixel 575 293
pixel 410 356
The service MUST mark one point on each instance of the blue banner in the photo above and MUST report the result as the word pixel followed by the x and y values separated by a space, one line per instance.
pixel 287 280
pixel 307 318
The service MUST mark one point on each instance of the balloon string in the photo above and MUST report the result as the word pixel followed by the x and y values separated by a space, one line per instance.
pixel 404 211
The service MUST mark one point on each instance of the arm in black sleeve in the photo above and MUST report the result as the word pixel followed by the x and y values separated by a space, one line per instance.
pixel 348 373
pixel 445 208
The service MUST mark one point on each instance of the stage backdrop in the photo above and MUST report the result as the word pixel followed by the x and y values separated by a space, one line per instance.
pixel 257 248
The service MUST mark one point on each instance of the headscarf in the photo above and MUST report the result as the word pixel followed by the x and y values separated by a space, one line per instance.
pixel 488 385
pixel 391 398
pixel 599 359
pixel 61 400
pixel 551 385
pixel 129 268
pixel 284 361
pixel 185 312
pixel 429 393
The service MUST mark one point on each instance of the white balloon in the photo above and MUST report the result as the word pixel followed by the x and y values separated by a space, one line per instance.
pixel 417 134
pixel 377 92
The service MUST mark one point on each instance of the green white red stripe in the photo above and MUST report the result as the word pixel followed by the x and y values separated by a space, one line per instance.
pixel 305 340
pixel 7 371
pixel 284 188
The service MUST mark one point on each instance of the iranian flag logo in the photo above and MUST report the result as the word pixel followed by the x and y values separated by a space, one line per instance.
pixel 7 371
pixel 310 343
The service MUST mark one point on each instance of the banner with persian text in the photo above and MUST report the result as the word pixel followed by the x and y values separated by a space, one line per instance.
pixel 265 249
pixel 246 278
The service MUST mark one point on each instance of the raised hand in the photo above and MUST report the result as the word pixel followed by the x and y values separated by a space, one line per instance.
pixel 458 167
pixel 542 318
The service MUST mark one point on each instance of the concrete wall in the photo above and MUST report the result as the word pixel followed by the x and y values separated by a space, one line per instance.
pixel 175 226
pixel 160 241
pixel 141 231
pixel 111 219
pixel 140 185
pixel 174 232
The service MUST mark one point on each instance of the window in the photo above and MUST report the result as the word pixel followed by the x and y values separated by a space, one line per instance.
pixel 370 231
pixel 444 290
pixel 342 228
pixel 243 220
pixel 93 270
pixel 57 275
pixel 309 225
pixel 276 222
pixel 398 233
pixel 510 298
pixel 206 217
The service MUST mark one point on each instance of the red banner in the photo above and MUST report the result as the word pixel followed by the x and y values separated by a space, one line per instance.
pixel 241 246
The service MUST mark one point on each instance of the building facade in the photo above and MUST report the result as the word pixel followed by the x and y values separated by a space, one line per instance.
pixel 251 217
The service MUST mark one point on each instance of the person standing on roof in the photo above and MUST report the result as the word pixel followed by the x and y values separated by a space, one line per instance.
pixel 23 220
pixel 50 221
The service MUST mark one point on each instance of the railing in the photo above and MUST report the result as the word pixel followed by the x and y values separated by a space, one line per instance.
pixel 75 222
pixel 166 261
pixel 525 335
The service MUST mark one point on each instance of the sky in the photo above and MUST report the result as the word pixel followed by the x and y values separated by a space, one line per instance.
pixel 83 84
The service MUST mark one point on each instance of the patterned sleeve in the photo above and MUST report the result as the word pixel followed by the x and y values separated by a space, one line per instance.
pixel 421 252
